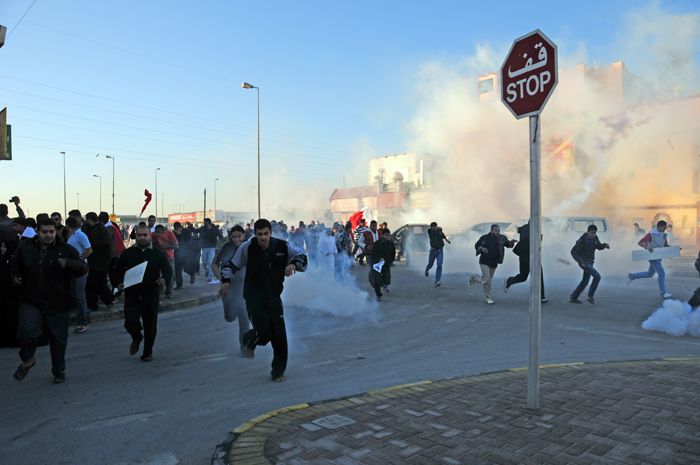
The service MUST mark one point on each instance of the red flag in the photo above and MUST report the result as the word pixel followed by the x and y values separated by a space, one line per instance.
pixel 355 219
pixel 148 200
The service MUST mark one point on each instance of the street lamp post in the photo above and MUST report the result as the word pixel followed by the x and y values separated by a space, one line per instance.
pixel 215 198
pixel 100 177
pixel 77 194
pixel 111 157
pixel 246 85
pixel 156 171
pixel 65 201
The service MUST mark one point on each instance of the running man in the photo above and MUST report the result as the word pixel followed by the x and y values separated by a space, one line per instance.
pixel 653 240
pixel 491 250
pixel 437 244
pixel 584 254
pixel 267 260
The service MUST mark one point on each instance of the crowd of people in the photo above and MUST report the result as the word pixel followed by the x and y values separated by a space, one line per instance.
pixel 49 266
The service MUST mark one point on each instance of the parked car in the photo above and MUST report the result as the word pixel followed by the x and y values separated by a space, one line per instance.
pixel 416 237
pixel 469 236
pixel 558 225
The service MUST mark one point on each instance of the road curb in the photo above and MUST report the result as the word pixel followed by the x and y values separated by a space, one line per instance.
pixel 110 315
pixel 245 444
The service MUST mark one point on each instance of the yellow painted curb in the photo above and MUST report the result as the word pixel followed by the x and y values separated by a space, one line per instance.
pixel 551 365
pixel 266 416
pixel 400 386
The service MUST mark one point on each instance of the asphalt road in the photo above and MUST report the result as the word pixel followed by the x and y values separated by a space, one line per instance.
pixel 115 409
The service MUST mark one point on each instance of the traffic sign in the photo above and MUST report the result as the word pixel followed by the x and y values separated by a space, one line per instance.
pixel 529 74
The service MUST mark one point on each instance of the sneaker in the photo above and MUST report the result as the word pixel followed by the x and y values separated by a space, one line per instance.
pixel 379 298
pixel 471 280
pixel 134 347
pixel 278 378
pixel 490 301
pixel 630 278
pixel 591 300
pixel 192 278
pixel 666 295
pixel 386 289
pixel 438 284
pixel 81 329
pixel 214 282
pixel 247 352
pixel 574 301
pixel 544 301
pixel 505 286
pixel 146 358
pixel 427 273
pixel 59 377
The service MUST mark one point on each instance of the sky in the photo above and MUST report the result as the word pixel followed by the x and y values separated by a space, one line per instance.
pixel 157 84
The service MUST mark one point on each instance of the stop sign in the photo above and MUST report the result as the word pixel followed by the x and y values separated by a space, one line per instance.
pixel 529 74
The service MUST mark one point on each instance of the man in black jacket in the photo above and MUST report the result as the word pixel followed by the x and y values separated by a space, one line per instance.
pixel 43 266
pixel 522 250
pixel 584 254
pixel 267 261
pixel 209 236
pixel 491 249
pixel 98 262
pixel 141 300
pixel 383 254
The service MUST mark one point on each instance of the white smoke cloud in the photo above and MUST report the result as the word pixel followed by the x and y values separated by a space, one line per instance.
pixel 675 318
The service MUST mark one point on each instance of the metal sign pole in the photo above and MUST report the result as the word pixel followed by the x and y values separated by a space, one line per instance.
pixel 533 372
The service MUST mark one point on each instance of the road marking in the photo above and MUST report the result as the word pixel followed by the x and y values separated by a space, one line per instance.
pixel 118 421
pixel 168 458
pixel 630 336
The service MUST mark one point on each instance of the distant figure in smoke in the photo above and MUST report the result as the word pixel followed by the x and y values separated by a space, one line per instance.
pixel 437 244
pixel 697 263
pixel 343 245
pixel 402 236
pixel 231 291
pixel 584 254
pixel 267 261
pixel 326 252
pixel 655 239
pixel 358 234
pixel 522 250
pixel 383 254
pixel 491 250
pixel 638 230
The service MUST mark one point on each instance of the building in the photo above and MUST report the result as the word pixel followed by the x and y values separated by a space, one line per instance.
pixel 395 184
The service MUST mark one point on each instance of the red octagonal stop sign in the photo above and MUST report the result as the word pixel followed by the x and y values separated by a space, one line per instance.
pixel 529 74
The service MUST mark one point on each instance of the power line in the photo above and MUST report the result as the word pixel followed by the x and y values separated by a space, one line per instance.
pixel 185 115
pixel 20 19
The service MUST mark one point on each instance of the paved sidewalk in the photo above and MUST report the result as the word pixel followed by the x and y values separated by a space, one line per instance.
pixel 190 295
pixel 645 412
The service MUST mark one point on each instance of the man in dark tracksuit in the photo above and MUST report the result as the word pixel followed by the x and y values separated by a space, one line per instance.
pixel 267 261
pixel 522 250
pixel 44 266
pixel 141 300
pixel 584 254
pixel 491 250
pixel 98 261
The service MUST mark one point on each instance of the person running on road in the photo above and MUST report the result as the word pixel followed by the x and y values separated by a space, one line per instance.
pixel 437 244
pixel 43 266
pixel 491 250
pixel 653 240
pixel 522 250
pixel 383 254
pixel 231 291
pixel 141 300
pixel 267 261
pixel 584 254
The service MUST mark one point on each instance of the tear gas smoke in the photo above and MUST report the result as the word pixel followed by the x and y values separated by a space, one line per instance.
pixel 621 155
pixel 675 318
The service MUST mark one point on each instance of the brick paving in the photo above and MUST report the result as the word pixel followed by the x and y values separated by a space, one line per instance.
pixel 645 412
